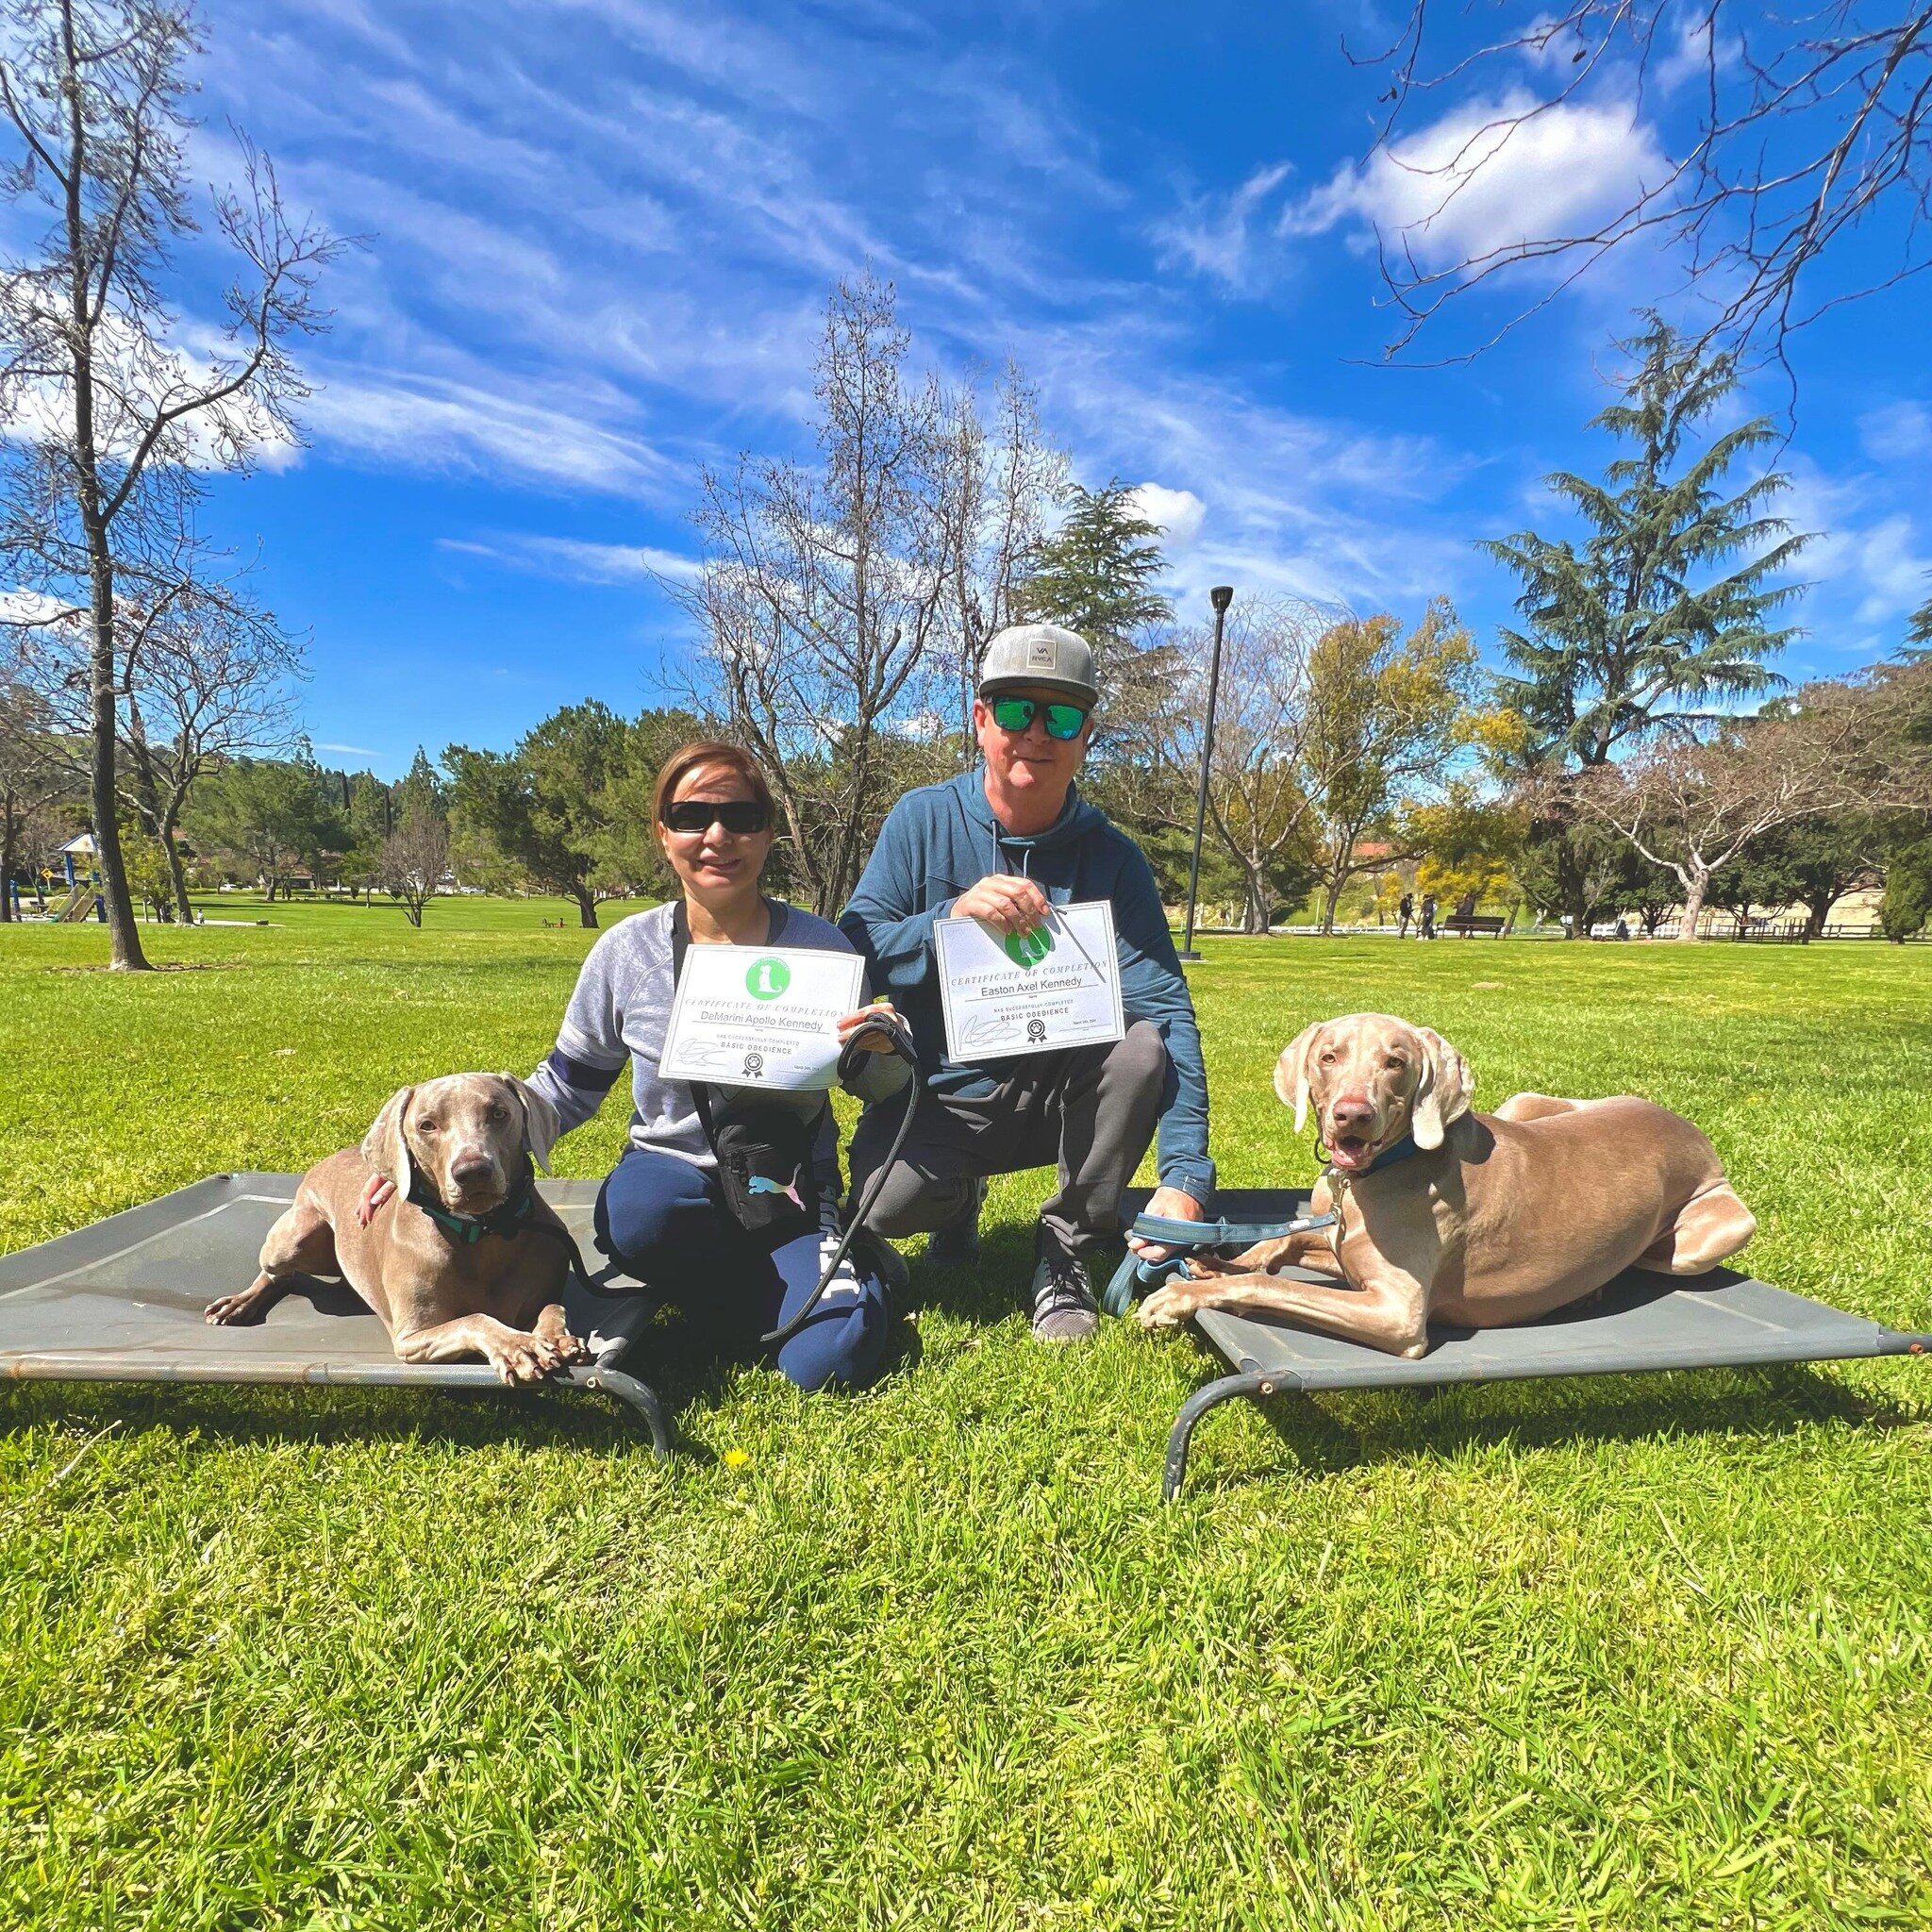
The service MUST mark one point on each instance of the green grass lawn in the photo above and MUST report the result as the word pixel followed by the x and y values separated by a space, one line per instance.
pixel 1649 1651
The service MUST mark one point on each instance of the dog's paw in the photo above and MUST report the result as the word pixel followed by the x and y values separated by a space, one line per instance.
pixel 1166 1308
pixel 571 1348
pixel 525 1358
pixel 233 1310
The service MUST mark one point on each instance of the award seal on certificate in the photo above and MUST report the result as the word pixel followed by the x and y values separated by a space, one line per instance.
pixel 1060 985
pixel 760 1016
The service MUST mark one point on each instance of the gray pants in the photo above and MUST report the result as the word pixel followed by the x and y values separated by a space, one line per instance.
pixel 1090 1111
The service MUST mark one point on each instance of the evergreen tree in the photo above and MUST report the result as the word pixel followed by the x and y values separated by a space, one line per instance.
pixel 1670 604
pixel 1096 576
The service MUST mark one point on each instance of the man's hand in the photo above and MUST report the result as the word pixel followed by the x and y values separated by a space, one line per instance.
pixel 1169 1203
pixel 876 1044
pixel 377 1190
pixel 1013 905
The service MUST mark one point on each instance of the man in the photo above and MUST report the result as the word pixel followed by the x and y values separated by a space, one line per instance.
pixel 1405 912
pixel 1427 928
pixel 1000 845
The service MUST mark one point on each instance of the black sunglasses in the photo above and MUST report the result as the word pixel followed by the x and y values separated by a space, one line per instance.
pixel 1015 714
pixel 739 815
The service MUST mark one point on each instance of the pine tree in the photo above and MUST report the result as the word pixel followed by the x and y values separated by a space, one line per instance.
pixel 1670 604
pixel 1096 576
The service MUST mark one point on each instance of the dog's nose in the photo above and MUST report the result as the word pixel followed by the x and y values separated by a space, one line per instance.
pixel 469 1167
pixel 1352 1110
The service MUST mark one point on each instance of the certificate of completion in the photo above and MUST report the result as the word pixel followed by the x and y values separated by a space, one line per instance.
pixel 760 1016
pixel 1060 985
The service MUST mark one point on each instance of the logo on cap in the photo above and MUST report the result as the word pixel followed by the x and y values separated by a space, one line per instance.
pixel 1041 655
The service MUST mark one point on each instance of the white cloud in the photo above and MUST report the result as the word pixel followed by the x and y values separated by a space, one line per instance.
pixel 1178 512
pixel 1215 236
pixel 1890 569
pixel 354 751
pixel 1899 433
pixel 1482 181
pixel 579 562
pixel 421 420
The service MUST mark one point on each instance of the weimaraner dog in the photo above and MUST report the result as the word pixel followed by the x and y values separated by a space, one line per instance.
pixel 1497 1218
pixel 474 1265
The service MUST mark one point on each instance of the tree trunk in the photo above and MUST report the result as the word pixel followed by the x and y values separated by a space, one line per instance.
pixel 586 911
pixel 1817 909
pixel 1693 908
pixel 1257 895
pixel 177 873
pixel 1329 903
pixel 9 844
pixel 104 792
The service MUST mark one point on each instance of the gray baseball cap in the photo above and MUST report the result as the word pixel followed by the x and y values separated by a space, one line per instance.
pixel 1039 654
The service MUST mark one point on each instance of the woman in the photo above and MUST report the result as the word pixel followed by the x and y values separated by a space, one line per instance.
pixel 661 1215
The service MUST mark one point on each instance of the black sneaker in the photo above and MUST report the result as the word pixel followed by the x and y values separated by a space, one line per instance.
pixel 1063 1306
pixel 957 1244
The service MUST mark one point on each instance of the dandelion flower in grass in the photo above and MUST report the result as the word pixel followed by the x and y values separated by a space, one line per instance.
pixel 736 1459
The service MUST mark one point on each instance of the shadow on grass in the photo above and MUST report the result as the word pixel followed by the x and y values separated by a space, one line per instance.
pixel 1329 1434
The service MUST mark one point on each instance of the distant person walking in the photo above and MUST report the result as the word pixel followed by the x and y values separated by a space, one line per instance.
pixel 1404 913
pixel 1428 925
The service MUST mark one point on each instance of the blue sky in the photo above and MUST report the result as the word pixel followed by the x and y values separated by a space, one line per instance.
pixel 599 235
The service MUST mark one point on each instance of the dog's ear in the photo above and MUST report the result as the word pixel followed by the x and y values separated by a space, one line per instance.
pixel 1292 1072
pixel 1443 1093
pixel 540 1125
pixel 385 1146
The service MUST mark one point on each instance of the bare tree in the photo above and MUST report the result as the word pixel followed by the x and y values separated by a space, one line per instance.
pixel 1261 800
pixel 206 683
pixel 826 594
pixel 112 416
pixel 1692 804
pixel 415 859
pixel 33 774
pixel 1000 485
pixel 1799 127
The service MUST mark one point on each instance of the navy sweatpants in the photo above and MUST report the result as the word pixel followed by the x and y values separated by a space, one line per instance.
pixel 661 1218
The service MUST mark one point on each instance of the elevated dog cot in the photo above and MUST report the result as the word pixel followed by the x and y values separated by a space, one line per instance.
pixel 1640 1322
pixel 122 1301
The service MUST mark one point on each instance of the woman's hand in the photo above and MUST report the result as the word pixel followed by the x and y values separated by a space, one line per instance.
pixel 876 1043
pixel 378 1190
pixel 1013 905
pixel 1166 1203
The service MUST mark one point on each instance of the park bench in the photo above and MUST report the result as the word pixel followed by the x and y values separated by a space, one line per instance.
pixel 1469 923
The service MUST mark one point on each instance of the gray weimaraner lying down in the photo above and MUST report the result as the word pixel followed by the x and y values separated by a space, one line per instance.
pixel 470 1265
pixel 1482 1220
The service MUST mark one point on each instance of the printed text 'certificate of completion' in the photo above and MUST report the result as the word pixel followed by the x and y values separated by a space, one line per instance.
pixel 1060 985
pixel 760 1016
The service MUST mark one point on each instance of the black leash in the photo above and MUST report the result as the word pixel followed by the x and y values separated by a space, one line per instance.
pixel 898 1036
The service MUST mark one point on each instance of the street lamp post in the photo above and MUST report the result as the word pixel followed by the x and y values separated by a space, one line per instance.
pixel 1221 597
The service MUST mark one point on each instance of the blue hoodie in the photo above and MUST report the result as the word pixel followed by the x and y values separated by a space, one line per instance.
pixel 940 839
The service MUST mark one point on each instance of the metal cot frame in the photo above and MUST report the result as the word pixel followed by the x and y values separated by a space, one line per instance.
pixel 1639 1323
pixel 120 1301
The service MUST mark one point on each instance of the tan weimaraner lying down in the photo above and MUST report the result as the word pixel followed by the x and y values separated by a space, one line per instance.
pixel 470 1265
pixel 1497 1218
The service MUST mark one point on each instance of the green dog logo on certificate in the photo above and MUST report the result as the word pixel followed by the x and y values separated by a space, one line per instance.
pixel 768 978
pixel 1009 993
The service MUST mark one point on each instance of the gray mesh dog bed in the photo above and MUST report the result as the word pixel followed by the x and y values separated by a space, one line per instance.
pixel 122 1301
pixel 1640 1323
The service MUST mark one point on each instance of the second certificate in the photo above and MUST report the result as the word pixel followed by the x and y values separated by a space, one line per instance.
pixel 1060 985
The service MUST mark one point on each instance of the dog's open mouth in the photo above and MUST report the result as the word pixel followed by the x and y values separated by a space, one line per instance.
pixel 1351 1153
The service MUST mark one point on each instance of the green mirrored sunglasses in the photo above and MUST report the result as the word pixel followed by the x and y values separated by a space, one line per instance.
pixel 1015 714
